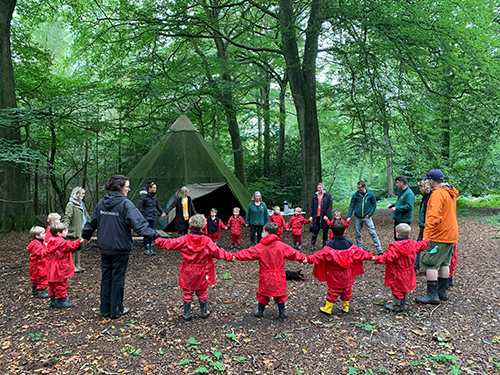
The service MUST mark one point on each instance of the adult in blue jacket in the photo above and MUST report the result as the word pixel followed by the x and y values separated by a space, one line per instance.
pixel 114 217
pixel 364 204
pixel 149 206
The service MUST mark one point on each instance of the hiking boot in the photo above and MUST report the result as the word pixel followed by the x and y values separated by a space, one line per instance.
pixel 231 247
pixel 187 311
pixel 432 295
pixel 259 313
pixel 62 304
pixel 203 308
pixel 327 309
pixel 281 308
pixel 300 246
pixel 396 306
pixel 294 244
pixel 52 302
pixel 239 247
pixel 34 290
pixel 42 293
pixel 442 286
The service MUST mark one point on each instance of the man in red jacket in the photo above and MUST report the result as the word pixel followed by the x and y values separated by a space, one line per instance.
pixel 399 260
pixel 271 254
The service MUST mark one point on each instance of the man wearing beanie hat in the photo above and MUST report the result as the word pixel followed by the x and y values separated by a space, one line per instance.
pixel 441 229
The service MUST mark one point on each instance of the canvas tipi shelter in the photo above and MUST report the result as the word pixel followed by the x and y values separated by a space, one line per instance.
pixel 182 157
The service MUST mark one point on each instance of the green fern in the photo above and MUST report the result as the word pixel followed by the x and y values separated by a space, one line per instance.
pixel 185 361
pixel 201 370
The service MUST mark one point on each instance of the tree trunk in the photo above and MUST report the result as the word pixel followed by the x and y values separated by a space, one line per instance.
pixel 16 207
pixel 267 125
pixel 226 96
pixel 282 119
pixel 388 158
pixel 302 79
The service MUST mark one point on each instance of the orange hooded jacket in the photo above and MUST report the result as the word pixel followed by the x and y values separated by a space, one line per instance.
pixel 441 217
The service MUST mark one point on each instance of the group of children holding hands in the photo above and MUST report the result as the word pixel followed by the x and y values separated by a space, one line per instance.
pixel 337 264
pixel 51 262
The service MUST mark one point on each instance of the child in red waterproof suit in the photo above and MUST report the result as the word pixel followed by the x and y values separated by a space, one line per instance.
pixel 337 216
pixel 277 218
pixel 214 225
pixel 271 254
pixel 399 260
pixel 295 225
pixel 235 223
pixel 38 263
pixel 453 265
pixel 197 270
pixel 60 265
pixel 338 266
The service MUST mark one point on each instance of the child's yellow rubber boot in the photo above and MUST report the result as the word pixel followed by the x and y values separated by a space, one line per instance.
pixel 345 306
pixel 327 309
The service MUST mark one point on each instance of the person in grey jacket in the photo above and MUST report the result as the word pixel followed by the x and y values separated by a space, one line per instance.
pixel 149 206
pixel 364 204
pixel 114 217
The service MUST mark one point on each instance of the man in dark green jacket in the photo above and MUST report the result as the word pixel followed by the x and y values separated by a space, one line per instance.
pixel 403 208
pixel 363 204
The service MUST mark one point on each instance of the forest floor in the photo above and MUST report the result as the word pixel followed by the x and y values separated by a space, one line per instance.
pixel 154 339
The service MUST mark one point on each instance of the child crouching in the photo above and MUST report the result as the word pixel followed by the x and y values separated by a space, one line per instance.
pixel 60 265
pixel 399 260
pixel 271 254
pixel 338 263
pixel 197 270
pixel 38 263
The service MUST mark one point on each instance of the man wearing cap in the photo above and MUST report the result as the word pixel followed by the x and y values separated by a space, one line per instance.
pixel 441 229
pixel 403 208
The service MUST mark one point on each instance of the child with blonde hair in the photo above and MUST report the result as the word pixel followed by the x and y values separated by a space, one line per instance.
pixel 295 226
pixel 60 264
pixel 277 218
pixel 38 263
pixel 399 260
pixel 235 223
pixel 52 218
pixel 197 270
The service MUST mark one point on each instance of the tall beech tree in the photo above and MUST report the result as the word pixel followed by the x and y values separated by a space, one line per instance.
pixel 16 206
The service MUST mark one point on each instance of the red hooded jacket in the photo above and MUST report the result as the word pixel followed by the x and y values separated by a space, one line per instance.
pixel 235 223
pixel 339 268
pixel 198 252
pixel 59 258
pixel 271 254
pixel 399 260
pixel 295 224
pixel 38 263
pixel 278 219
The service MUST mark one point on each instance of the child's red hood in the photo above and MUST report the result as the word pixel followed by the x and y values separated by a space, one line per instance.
pixel 197 242
pixel 404 247
pixel 268 239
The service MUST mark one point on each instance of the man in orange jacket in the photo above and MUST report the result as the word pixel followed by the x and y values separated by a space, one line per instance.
pixel 441 229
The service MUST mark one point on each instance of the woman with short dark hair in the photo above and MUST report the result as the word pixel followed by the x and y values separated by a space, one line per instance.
pixel 114 217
